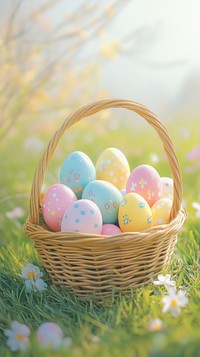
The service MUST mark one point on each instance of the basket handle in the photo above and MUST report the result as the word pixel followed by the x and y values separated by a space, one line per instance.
pixel 92 108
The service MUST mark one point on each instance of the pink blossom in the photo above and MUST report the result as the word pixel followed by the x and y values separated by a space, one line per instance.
pixel 17 212
pixel 194 154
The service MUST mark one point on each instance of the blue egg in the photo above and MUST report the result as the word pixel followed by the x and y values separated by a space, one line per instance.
pixel 77 171
pixel 106 196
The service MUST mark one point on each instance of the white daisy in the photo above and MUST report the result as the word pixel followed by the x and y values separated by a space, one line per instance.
pixel 32 275
pixel 196 205
pixel 165 280
pixel 174 301
pixel 35 285
pixel 18 336
pixel 155 325
pixel 32 272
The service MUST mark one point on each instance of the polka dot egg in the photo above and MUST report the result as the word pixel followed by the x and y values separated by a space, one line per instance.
pixel 112 166
pixel 82 216
pixel 57 198
pixel 49 335
pixel 145 181
pixel 134 213
pixel 106 196
pixel 161 211
pixel 77 171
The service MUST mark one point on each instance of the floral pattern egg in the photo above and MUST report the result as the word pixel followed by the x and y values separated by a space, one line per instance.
pixel 77 171
pixel 161 211
pixel 106 196
pixel 145 181
pixel 134 213
pixel 167 186
pixel 112 166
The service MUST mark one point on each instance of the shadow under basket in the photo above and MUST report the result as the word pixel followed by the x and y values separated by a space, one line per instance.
pixel 95 267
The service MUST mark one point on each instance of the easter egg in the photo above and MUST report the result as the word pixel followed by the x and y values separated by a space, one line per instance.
pixel 167 186
pixel 134 213
pixel 112 166
pixel 82 216
pixel 106 196
pixel 55 201
pixel 110 229
pixel 145 181
pixel 49 335
pixel 77 171
pixel 161 211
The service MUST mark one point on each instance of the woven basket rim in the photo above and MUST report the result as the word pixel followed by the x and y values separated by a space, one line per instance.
pixel 73 238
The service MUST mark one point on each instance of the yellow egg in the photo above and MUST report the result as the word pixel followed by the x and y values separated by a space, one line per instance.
pixel 134 213
pixel 112 166
pixel 161 211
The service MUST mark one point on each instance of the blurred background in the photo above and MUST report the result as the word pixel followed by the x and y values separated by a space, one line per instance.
pixel 58 55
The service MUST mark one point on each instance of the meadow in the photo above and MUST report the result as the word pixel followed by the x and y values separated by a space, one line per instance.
pixel 122 327
pixel 47 73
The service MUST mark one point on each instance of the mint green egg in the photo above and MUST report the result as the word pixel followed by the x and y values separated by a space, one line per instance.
pixel 106 196
pixel 77 171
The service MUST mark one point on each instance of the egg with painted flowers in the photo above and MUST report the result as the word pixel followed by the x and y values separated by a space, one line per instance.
pixel 134 213
pixel 83 216
pixel 145 181
pixel 167 186
pixel 77 171
pixel 106 196
pixel 55 201
pixel 161 211
pixel 112 166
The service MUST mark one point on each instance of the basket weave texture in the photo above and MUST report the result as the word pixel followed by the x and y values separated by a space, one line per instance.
pixel 95 266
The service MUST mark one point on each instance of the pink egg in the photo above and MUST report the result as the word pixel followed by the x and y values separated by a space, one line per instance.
pixel 55 201
pixel 49 334
pixel 110 229
pixel 145 181
pixel 82 216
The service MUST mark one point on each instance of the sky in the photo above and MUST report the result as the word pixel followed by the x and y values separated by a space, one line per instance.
pixel 162 70
pixel 157 74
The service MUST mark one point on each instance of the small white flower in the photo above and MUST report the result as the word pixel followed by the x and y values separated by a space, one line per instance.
pixel 18 336
pixel 174 301
pixel 155 325
pixel 32 275
pixel 32 272
pixel 165 280
pixel 154 158
pixel 35 285
pixel 196 205
pixel 17 212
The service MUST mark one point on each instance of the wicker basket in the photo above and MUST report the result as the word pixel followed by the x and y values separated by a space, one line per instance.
pixel 95 266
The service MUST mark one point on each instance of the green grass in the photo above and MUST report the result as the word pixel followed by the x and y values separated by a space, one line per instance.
pixel 120 328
